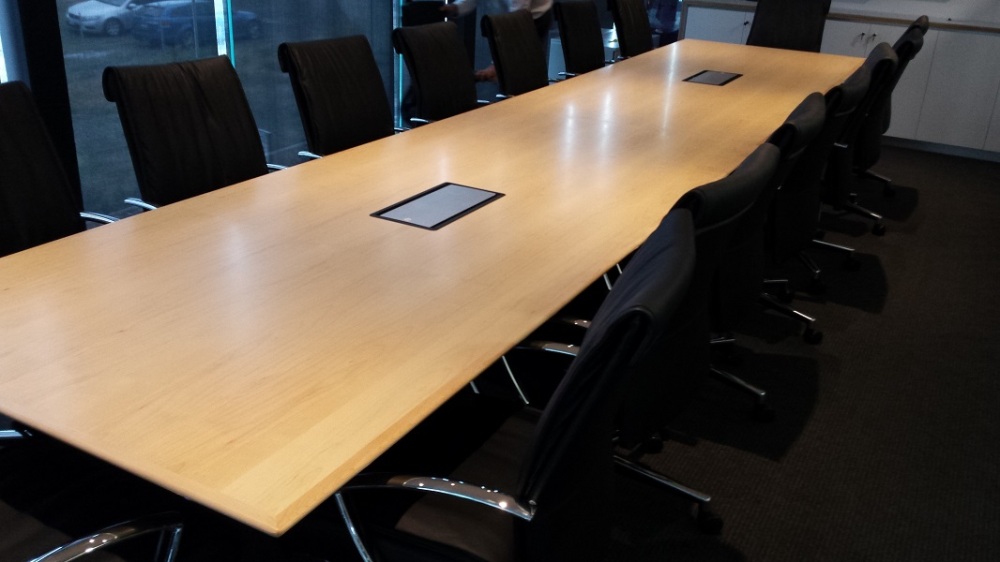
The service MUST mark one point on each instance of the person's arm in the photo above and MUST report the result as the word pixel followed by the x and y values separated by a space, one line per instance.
pixel 459 8
pixel 520 5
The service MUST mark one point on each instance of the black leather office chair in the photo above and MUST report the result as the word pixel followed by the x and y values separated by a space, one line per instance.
pixel 794 219
pixel 789 24
pixel 580 35
pixel 739 283
pixel 665 384
pixel 635 35
pixel 188 127
pixel 517 54
pixel 743 266
pixel 440 71
pixel 37 202
pixel 50 494
pixel 869 140
pixel 339 92
pixel 556 465
pixel 94 546
pixel 840 179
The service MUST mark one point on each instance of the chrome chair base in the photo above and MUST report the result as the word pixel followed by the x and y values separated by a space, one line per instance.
pixel 708 521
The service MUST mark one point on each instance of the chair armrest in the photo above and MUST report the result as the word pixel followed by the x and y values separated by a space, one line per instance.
pixel 309 155
pixel 11 435
pixel 454 488
pixel 581 323
pixel 275 167
pixel 551 347
pixel 167 524
pixel 140 203
pixel 97 217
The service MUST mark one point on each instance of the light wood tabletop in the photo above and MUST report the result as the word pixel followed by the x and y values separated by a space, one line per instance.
pixel 253 348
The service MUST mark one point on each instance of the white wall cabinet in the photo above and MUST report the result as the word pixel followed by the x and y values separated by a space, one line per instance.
pixel 961 90
pixel 725 26
pixel 949 94
pixel 847 38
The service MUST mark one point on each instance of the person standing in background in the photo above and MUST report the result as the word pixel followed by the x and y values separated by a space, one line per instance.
pixel 541 12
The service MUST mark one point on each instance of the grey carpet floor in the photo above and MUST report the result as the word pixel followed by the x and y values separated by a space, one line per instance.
pixel 886 441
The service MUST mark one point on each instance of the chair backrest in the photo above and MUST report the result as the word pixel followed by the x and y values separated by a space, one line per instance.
pixel 789 24
pixel 635 35
pixel 906 48
pixel 188 127
pixel 580 35
pixel 880 66
pixel 37 203
pixel 339 92
pixel 795 210
pixel 665 382
pixel 439 67
pixel 517 53
pixel 838 179
pixel 741 271
pixel 567 471
pixel 797 133
pixel 922 23
pixel 868 143
pixel 422 12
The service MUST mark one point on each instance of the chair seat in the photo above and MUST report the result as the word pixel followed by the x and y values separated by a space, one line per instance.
pixel 476 529
pixel 24 536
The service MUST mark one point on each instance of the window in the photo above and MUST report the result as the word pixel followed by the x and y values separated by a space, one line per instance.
pixel 7 28
pixel 248 31
pixel 3 62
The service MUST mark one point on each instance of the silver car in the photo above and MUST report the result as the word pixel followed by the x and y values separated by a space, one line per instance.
pixel 110 17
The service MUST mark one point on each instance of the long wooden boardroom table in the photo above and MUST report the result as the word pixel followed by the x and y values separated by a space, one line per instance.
pixel 252 349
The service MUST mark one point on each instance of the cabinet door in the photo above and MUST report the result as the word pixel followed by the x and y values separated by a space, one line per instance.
pixel 908 97
pixel 726 26
pixel 846 38
pixel 993 135
pixel 961 90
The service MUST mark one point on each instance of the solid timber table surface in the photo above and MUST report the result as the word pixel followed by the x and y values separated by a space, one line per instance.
pixel 253 348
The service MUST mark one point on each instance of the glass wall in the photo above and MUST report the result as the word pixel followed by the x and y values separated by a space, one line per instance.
pixel 3 60
pixel 100 33
pixel 8 36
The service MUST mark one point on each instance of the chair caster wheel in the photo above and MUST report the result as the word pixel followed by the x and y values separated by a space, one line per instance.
pixel 785 295
pixel 878 229
pixel 888 191
pixel 812 337
pixel 816 287
pixel 708 522
pixel 851 264
pixel 762 412
pixel 652 446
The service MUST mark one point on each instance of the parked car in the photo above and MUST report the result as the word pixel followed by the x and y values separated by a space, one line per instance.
pixel 110 17
pixel 180 22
